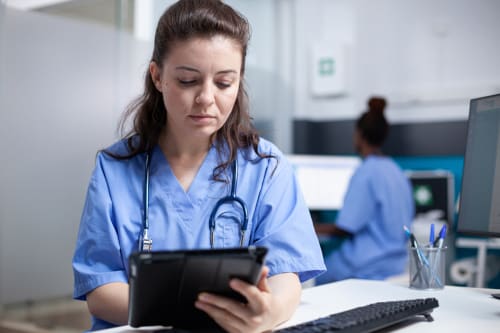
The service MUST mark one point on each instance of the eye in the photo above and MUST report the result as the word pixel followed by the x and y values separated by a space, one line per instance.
pixel 223 84
pixel 187 82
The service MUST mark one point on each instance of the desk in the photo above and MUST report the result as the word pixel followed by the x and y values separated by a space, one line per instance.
pixel 461 309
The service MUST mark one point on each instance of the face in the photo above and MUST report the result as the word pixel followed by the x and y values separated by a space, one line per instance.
pixel 199 81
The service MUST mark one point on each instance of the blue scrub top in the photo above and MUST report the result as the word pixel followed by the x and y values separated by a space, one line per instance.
pixel 112 218
pixel 377 205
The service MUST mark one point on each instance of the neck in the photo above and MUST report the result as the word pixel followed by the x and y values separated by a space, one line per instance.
pixel 185 149
pixel 185 156
pixel 370 150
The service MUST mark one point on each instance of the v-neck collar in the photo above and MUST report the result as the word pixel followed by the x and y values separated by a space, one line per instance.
pixel 198 191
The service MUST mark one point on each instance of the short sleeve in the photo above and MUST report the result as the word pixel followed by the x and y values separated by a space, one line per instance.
pixel 97 258
pixel 285 226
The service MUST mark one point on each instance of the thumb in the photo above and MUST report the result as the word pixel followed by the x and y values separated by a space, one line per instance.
pixel 263 285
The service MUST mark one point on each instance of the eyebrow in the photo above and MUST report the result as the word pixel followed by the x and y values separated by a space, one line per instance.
pixel 191 69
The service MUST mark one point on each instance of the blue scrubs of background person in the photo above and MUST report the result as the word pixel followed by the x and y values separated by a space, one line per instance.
pixel 194 123
pixel 378 203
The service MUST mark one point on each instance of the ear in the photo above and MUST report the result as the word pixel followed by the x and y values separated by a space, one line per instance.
pixel 155 72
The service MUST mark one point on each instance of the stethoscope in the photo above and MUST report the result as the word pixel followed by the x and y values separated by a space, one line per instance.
pixel 146 243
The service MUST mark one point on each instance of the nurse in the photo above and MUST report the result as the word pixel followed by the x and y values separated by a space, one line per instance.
pixel 377 205
pixel 188 128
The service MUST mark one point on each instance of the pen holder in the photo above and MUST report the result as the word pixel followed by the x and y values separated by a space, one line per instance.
pixel 427 268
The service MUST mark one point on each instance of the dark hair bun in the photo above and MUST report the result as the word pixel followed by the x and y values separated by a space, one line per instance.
pixel 377 105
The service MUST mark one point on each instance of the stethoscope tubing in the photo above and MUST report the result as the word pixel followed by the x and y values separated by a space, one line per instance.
pixel 146 192
pixel 145 243
pixel 228 199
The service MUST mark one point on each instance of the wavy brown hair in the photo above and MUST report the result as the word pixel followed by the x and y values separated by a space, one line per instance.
pixel 184 20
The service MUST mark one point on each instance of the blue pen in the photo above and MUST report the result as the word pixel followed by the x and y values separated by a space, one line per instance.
pixel 431 236
pixel 440 240
pixel 439 243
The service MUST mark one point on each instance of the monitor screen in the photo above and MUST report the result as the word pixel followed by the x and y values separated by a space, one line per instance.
pixel 479 208
pixel 324 179
pixel 433 194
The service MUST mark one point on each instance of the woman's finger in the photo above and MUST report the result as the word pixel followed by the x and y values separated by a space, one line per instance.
pixel 255 295
pixel 224 318
pixel 225 305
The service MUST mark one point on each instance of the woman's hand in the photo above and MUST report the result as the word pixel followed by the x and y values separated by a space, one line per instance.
pixel 266 308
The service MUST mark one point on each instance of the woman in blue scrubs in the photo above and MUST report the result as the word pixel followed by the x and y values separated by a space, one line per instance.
pixel 377 205
pixel 192 121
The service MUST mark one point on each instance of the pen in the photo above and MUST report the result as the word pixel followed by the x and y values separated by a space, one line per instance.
pixel 414 244
pixel 431 236
pixel 440 240
pixel 413 240
pixel 439 243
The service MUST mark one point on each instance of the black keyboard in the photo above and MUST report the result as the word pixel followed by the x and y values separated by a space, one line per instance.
pixel 368 318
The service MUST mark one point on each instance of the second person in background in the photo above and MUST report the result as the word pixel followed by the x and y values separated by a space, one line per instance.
pixel 377 204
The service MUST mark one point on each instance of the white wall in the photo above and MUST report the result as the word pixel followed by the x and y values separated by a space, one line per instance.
pixel 63 84
pixel 428 57
pixel 268 64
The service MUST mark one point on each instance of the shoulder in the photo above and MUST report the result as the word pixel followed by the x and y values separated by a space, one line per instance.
pixel 264 147
pixel 380 170
pixel 272 164
pixel 117 172
pixel 117 148
pixel 269 148
pixel 379 164
pixel 108 156
pixel 370 168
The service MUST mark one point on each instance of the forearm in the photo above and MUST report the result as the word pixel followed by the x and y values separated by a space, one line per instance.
pixel 329 229
pixel 109 302
pixel 286 290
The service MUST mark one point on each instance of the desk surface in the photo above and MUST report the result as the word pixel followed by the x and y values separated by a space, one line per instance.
pixel 460 309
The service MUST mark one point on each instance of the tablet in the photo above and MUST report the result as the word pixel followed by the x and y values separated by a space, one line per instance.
pixel 165 284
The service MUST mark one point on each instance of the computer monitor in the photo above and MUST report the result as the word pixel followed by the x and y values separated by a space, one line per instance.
pixel 479 207
pixel 324 179
pixel 433 194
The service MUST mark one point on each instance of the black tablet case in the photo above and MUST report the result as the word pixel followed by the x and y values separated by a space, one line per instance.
pixel 165 284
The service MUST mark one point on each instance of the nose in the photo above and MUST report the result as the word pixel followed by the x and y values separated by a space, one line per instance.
pixel 206 95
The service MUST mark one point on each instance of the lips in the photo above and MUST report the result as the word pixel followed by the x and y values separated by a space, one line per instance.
pixel 202 116
pixel 201 119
